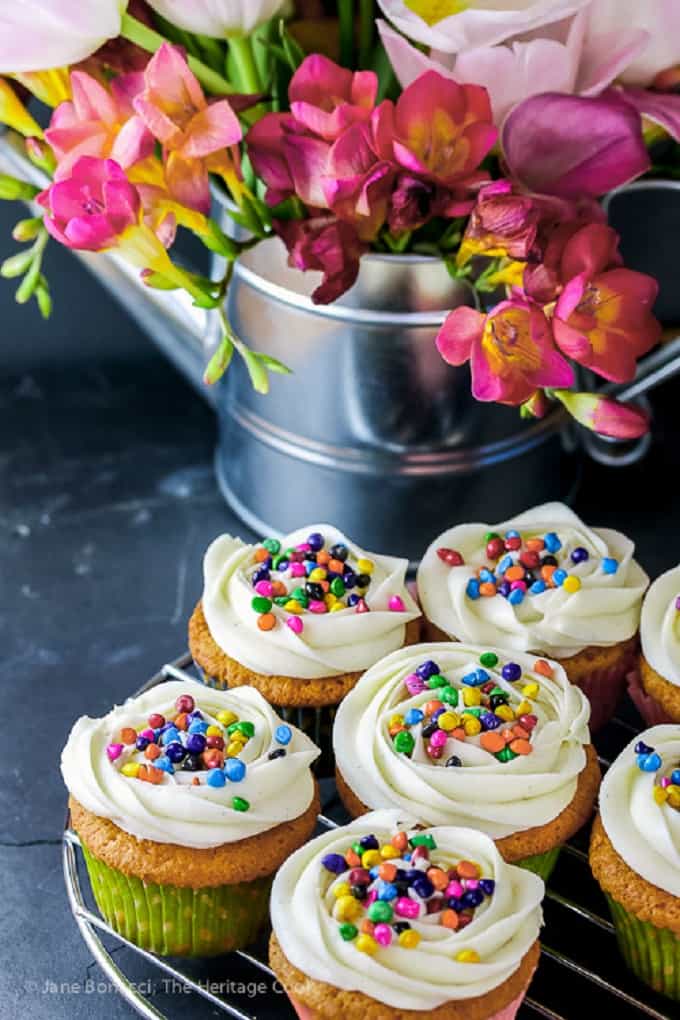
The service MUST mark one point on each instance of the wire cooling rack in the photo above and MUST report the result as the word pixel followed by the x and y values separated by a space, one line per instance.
pixel 580 975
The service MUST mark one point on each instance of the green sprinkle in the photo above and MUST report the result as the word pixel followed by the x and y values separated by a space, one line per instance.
pixel 281 600
pixel 489 659
pixel 348 932
pixel 506 754
pixel 272 545
pixel 404 742
pixel 240 804
pixel 476 712
pixel 425 840
pixel 436 680
pixel 278 560
pixel 449 695
pixel 260 604
pixel 337 587
pixel 380 911
pixel 300 596
pixel 489 537
pixel 244 727
pixel 499 690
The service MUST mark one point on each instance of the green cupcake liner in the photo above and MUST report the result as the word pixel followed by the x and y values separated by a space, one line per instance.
pixel 177 921
pixel 541 864
pixel 653 954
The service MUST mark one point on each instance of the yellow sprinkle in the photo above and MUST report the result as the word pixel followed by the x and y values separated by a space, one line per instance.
pixel 409 939
pixel 131 769
pixel 370 859
pixel 292 606
pixel 226 717
pixel 673 796
pixel 505 713
pixel 571 583
pixel 318 574
pixel 448 721
pixel 468 956
pixel 660 795
pixel 388 851
pixel 530 690
pixel 366 944
pixel 213 731
pixel 337 607
pixel 524 708
pixel 365 566
pixel 342 889
pixel 395 720
pixel 330 599
pixel 347 908
pixel 234 749
pixel 471 725
pixel 472 696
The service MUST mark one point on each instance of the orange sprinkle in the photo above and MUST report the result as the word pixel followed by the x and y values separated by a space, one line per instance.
pixel 181 722
pixel 267 621
pixel 520 732
pixel 154 775
pixel 507 736
pixel 279 588
pixel 467 869
pixel 492 741
pixel 367 927
pixel 515 573
pixel 195 781
pixel 488 589
pixel 432 706
pixel 521 747
pixel 399 841
pixel 337 566
pixel 438 877
pixel 535 544
pixel 547 572
pixel 393 730
pixel 323 557
pixel 152 752
pixel 353 859
pixel 459 733
pixel 541 666
pixel 142 772
pixel 450 919
pixel 325 585
pixel 128 735
pixel 261 555
pixel 387 871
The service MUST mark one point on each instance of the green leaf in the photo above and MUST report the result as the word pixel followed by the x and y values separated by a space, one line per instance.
pixel 294 53
pixel 216 240
pixel 256 370
pixel 11 189
pixel 220 361
pixel 16 265
pixel 274 365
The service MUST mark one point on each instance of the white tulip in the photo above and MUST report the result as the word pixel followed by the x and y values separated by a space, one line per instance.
pixel 218 18
pixel 36 35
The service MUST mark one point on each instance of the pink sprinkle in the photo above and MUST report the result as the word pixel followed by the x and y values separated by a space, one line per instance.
pixel 382 933
pixel 297 570
pixel 677 603
pixel 295 624
pixel 519 585
pixel 396 604
pixel 304 547
pixel 265 588
pixel 114 751
pixel 371 898
pixel 406 907
pixel 454 889
pixel 471 883
pixel 665 781
pixel 317 607
pixel 361 607
pixel 439 738
pixel 435 752
pixel 414 683
pixel 149 734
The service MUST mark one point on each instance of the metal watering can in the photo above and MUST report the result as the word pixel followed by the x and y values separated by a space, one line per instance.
pixel 373 431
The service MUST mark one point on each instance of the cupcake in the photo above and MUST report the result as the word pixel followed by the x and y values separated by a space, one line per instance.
pixel 543 583
pixel 382 919
pixel 654 685
pixel 635 855
pixel 456 735
pixel 300 619
pixel 186 801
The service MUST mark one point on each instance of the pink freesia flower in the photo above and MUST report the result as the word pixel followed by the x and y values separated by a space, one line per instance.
pixel 603 318
pixel 327 245
pixel 93 207
pixel 510 350
pixel 543 280
pixel 562 56
pixel 574 147
pixel 98 122
pixel 196 136
pixel 326 98
pixel 603 415
pixel 503 224
pixel 266 149
pixel 443 130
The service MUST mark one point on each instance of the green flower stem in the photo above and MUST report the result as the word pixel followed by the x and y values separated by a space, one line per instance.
pixel 140 34
pixel 346 15
pixel 241 50
pixel 366 27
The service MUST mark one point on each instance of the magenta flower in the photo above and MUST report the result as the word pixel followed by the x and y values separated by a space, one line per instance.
pixel 510 350
pixel 196 136
pixel 443 130
pixel 574 147
pixel 503 224
pixel 100 123
pixel 603 415
pixel 326 99
pixel 328 245
pixel 92 208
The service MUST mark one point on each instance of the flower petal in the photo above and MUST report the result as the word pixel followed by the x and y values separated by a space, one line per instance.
pixel 213 128
pixel 661 107
pixel 605 416
pixel 462 328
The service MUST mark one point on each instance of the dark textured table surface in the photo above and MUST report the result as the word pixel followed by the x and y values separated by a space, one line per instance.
pixel 107 501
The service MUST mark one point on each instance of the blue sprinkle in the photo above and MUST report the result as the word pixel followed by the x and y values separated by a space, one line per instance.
pixel 413 717
pixel 171 736
pixel 505 564
pixel 504 589
pixel 198 726
pixel 552 542
pixel 374 873
pixel 482 676
pixel 427 669
pixel 649 762
pixel 406 857
pixel 234 770
pixel 387 891
pixel 283 734
pixel 490 721
pixel 512 534
pixel 610 565
pixel 559 576
pixel 486 575
pixel 164 764
pixel 516 597
pixel 473 679
pixel 642 748
pixel 472 590
pixel 215 778
pixel 538 587
pixel 512 671
pixel 487 885
pixel 310 565
pixel 675 777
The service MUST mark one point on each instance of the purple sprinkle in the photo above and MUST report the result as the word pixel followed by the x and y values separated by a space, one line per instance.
pixel 335 863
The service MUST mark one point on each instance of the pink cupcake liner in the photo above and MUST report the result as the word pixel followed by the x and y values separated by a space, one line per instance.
pixel 508 1013
pixel 604 689
pixel 650 709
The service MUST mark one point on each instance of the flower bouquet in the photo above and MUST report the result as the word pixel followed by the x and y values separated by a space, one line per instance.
pixel 483 133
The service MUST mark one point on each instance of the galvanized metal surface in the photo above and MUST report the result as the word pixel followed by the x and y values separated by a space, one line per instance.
pixel 580 975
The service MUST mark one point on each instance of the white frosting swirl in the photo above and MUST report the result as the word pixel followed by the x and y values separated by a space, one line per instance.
pixel 604 611
pixel 646 834
pixel 499 798
pixel 502 931
pixel 175 811
pixel 660 626
pixel 330 644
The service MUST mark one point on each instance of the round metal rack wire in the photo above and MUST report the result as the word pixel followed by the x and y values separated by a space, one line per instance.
pixel 581 974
